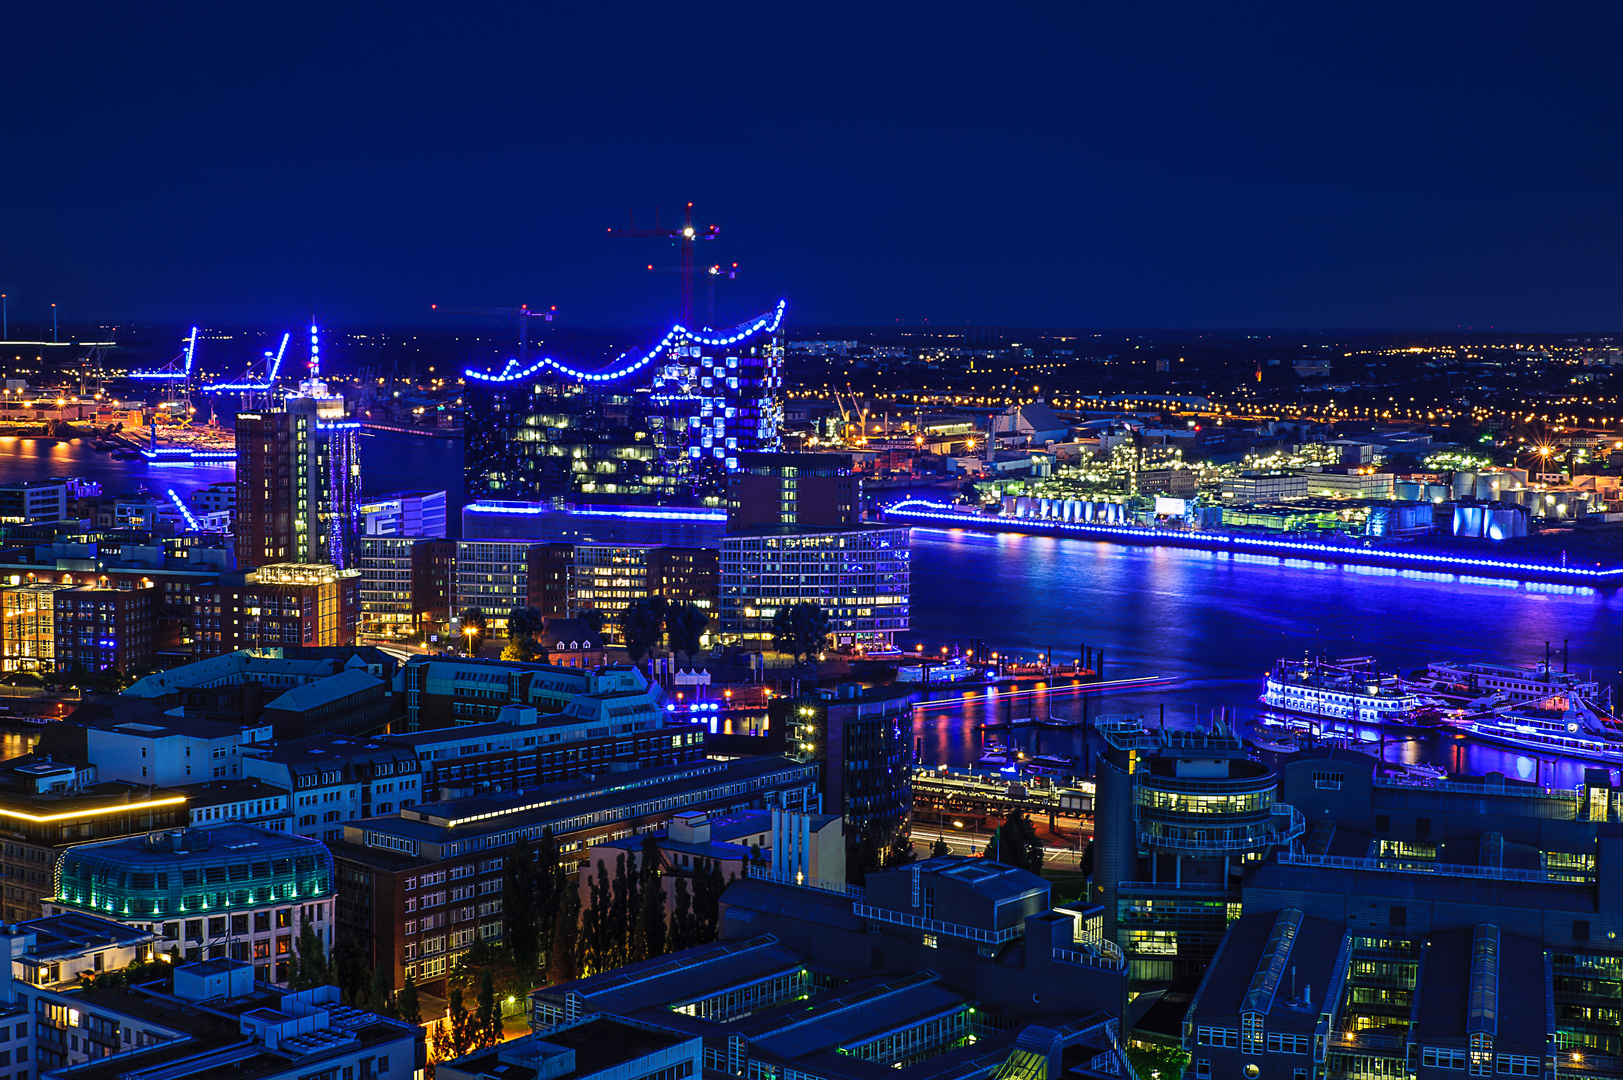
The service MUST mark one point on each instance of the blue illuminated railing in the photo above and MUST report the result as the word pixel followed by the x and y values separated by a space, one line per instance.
pixel 924 510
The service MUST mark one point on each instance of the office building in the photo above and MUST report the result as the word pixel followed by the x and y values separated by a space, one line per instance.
pixel 659 425
pixel 210 1018
pixel 421 886
pixel 607 578
pixel 244 801
pixel 386 586
pixel 862 740
pixel 284 604
pixel 137 741
pixel 217 498
pixel 226 892
pixel 686 575
pixel 105 629
pixel 415 514
pixel 1180 815
pixel 333 779
pixel 493 576
pixel 816 490
pixel 431 565
pixel 858 575
pixel 298 478
pixel 30 502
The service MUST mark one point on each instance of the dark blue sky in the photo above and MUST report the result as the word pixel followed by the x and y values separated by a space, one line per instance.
pixel 1075 164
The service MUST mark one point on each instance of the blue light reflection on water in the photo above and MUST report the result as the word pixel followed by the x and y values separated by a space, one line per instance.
pixel 1216 622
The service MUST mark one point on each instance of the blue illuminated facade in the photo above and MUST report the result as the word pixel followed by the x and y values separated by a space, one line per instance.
pixel 665 424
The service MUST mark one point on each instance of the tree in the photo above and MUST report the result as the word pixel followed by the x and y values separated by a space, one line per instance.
pixel 940 848
pixel 593 618
pixel 648 939
pixel 683 934
pixel 309 967
pixel 522 649
pixel 801 629
pixel 1153 1059
pixel 473 624
pixel 522 932
pixel 406 1004
pixel 901 850
pixel 349 963
pixel 640 626
pixel 862 855
pixel 487 1018
pixel 685 625
pixel 620 911
pixel 525 622
pixel 1015 844
pixel 1087 860
pixel 461 1028
pixel 563 958
pixel 379 997
pixel 550 883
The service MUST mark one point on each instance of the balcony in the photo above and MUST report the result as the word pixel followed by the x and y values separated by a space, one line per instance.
pixel 1283 825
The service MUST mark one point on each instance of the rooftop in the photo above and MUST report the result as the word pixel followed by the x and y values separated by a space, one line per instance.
pixel 73 934
pixel 325 691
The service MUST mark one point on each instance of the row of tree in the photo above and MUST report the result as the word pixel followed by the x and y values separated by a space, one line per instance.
pixel 649 618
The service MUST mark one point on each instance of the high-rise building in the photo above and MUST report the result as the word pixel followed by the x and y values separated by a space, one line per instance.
pixel 28 626
pixel 685 575
pixel 660 425
pixel 792 489
pixel 860 575
pixel 299 478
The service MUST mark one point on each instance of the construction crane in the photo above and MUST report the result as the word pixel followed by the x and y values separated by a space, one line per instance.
pixel 685 236
pixel 522 313
pixel 712 274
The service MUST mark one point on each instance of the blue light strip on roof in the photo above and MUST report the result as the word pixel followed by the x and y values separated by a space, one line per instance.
pixel 511 373
pixel 924 510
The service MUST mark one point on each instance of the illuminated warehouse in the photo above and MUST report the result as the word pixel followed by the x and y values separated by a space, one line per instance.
pixel 661 426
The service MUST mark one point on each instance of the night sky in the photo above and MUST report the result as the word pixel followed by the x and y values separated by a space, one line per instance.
pixel 1077 164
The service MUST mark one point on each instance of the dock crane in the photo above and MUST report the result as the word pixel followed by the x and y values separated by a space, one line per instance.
pixel 523 313
pixel 711 275
pixel 685 235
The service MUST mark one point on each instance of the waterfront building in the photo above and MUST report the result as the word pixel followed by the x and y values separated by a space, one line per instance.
pixel 219 497
pixel 862 740
pixel 298 479
pixel 421 886
pixel 1350 482
pixel 415 514
pixel 859 575
pixel 227 892
pixel 1270 486
pixel 139 742
pixel 30 502
pixel 665 424
pixel 332 779
pixel 1179 817
pixel 278 605
pixel 51 806
pixel 793 489
pixel 105 629
pixel 210 1017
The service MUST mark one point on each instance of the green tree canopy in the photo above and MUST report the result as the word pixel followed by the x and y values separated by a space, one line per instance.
pixel 801 629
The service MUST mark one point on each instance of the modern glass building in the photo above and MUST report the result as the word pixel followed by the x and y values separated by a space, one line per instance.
pixel 665 424
pixel 233 891
pixel 860 575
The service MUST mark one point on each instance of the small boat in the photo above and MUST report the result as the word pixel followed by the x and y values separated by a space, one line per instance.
pixel 1052 764
pixel 956 670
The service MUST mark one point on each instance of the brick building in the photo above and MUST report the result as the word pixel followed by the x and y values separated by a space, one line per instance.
pixel 285 604
pixel 792 489
pixel 104 629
